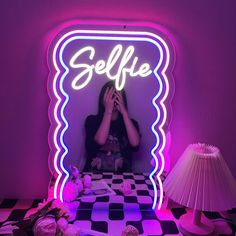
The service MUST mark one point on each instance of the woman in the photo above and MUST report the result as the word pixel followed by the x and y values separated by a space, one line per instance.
pixel 111 136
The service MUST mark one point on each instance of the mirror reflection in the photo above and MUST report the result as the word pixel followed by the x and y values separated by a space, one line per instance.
pixel 109 143
pixel 103 140
pixel 111 135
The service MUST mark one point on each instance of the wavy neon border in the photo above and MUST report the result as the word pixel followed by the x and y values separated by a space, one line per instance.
pixel 60 103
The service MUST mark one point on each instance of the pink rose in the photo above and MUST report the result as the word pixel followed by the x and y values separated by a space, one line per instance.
pixel 125 188
pixel 70 191
pixel 45 226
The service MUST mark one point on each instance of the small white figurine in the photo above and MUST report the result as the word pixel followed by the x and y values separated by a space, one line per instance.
pixel 87 182
pixel 79 184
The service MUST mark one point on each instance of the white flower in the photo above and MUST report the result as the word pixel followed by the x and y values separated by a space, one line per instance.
pixel 45 226
pixel 126 188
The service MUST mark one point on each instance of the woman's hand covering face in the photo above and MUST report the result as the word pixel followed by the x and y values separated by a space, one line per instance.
pixel 120 102
pixel 109 99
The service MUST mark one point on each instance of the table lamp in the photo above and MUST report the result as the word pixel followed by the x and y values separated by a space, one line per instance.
pixel 200 180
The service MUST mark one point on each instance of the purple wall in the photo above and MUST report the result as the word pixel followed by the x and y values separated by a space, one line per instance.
pixel 204 36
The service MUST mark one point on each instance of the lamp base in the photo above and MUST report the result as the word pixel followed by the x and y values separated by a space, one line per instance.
pixel 188 228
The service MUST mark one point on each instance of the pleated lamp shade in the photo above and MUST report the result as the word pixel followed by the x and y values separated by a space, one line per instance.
pixel 201 180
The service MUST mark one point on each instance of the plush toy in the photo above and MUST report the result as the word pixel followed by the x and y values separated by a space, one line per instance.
pixel 87 181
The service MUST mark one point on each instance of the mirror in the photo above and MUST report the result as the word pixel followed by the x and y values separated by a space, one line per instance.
pixel 115 170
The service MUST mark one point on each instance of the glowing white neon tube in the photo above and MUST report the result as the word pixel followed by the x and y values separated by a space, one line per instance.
pixel 100 68
pixel 103 67
pixel 87 68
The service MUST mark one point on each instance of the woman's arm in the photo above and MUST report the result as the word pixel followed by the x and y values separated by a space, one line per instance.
pixel 132 132
pixel 103 130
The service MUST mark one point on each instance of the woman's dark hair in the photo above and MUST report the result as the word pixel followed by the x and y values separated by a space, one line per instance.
pixel 101 107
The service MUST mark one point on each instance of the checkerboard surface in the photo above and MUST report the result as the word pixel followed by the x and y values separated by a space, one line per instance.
pixel 110 214
pixel 141 197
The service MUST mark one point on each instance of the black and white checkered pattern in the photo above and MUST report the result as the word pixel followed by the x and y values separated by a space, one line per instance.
pixel 110 214
pixel 141 197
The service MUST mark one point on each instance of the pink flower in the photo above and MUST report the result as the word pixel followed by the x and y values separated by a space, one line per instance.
pixel 70 191
pixel 125 188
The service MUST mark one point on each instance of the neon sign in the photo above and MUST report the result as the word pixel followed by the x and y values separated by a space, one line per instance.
pixel 102 67
pixel 73 60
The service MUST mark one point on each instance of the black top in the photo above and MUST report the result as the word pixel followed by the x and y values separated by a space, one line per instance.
pixel 115 154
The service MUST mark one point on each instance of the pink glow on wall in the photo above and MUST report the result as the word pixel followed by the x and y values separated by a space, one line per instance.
pixel 159 101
